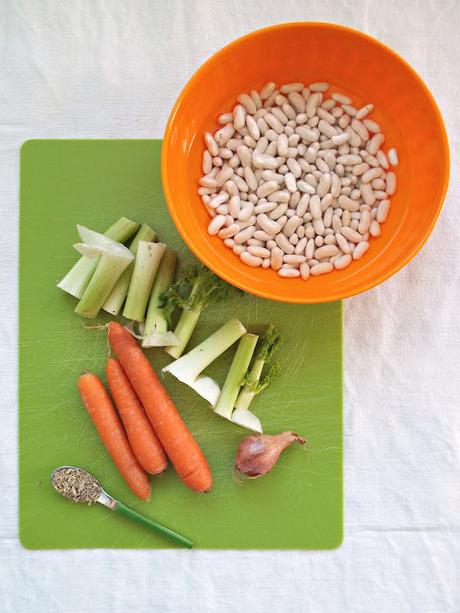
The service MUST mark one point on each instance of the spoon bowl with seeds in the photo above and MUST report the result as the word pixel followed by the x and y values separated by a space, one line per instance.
pixel 78 485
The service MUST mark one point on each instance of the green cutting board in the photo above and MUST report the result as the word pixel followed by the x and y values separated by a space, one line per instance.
pixel 297 506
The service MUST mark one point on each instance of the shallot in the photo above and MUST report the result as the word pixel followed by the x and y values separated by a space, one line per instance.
pixel 257 454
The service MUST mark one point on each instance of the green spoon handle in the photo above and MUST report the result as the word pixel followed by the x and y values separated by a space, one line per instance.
pixel 127 512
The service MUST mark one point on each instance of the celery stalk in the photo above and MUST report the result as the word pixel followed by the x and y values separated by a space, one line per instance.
pixel 235 375
pixel 112 261
pixel 156 332
pixel 205 289
pixel 117 296
pixel 145 269
pixel 189 366
pixel 254 382
pixel 78 277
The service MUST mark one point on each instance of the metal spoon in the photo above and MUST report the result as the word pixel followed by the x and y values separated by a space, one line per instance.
pixel 115 505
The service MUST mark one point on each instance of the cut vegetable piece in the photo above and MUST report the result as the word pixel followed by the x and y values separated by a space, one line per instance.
pixel 158 318
pixel 206 289
pixel 145 268
pixel 235 375
pixel 207 388
pixel 188 367
pixel 246 419
pixel 112 261
pixel 78 277
pixel 253 384
pixel 118 295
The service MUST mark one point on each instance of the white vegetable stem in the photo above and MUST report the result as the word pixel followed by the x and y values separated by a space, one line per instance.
pixel 235 375
pixel 145 268
pixel 78 277
pixel 117 296
pixel 112 261
pixel 156 332
pixel 188 367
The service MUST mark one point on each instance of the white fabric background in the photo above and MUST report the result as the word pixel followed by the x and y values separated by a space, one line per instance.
pixel 113 68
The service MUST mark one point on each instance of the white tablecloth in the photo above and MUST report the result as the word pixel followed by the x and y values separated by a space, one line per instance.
pixel 94 68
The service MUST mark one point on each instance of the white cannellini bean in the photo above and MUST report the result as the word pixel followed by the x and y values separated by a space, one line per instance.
pixel 291 87
pixel 374 228
pixel 246 212
pixel 288 272
pixel 280 115
pixel 360 129
pixel 319 86
pixel 268 225
pixel 291 225
pixel 211 144
pixel 341 98
pixel 216 224
pixel 250 260
pixel 294 259
pixel 229 242
pixel 218 200
pixel 282 145
pixel 393 156
pixel 342 242
pixel 342 262
pixel 349 159
pixel 276 258
pixel 364 111
pixel 297 101
pixel 229 231
pixel 374 144
pixel 224 134
pixel 207 162
pixel 248 103
pixel 278 212
pixel 267 90
pixel 244 235
pixel 224 174
pixel 250 178
pixel 383 210
pixel 300 247
pixel 350 234
pixel 258 251
pixel 260 160
pixel 321 269
pixel 372 126
pixel 238 249
pixel 252 126
pixel 360 250
pixel 370 175
pixel 256 98
pixel 326 251
pixel 267 188
pixel 364 222
pixel 284 244
pixel 390 180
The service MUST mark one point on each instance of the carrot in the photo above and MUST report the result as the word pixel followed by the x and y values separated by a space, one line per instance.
pixel 143 440
pixel 102 412
pixel 177 440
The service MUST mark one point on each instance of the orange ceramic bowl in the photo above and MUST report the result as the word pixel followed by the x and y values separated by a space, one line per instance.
pixel 356 65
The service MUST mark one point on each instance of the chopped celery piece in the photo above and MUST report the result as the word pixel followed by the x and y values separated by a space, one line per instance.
pixel 77 279
pixel 253 384
pixel 189 367
pixel 112 261
pixel 117 296
pixel 156 332
pixel 235 375
pixel 206 289
pixel 147 261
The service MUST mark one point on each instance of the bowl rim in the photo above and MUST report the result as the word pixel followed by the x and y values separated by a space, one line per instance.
pixel 337 295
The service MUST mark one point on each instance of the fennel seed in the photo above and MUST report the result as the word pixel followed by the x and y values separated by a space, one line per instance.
pixel 77 485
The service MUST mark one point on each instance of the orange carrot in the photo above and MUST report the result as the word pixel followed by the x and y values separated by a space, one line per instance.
pixel 101 410
pixel 143 440
pixel 177 440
